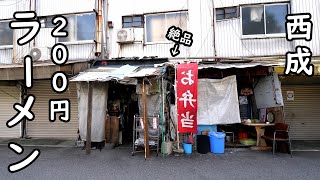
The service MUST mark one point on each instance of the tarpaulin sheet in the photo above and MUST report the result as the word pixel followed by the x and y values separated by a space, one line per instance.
pixel 218 101
pixel 99 99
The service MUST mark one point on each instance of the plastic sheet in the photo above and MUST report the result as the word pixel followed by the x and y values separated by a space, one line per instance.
pixel 218 101
pixel 99 99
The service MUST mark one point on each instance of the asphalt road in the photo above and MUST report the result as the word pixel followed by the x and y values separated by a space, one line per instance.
pixel 72 163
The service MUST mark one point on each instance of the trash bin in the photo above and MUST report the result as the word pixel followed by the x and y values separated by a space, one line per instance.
pixel 203 144
pixel 217 142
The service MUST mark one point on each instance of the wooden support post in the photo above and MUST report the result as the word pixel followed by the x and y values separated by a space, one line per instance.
pixel 89 120
pixel 145 118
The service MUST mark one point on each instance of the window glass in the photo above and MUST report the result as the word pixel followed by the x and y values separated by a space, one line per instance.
pixel 177 19
pixel 132 21
pixel 127 25
pixel 276 18
pixel 6 34
pixel 220 14
pixel 80 27
pixel 230 12
pixel 137 19
pixel 219 11
pixel 86 27
pixel 136 24
pixel 253 20
pixel 155 27
pixel 71 28
pixel 127 19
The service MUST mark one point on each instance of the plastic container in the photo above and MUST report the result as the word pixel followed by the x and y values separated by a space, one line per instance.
pixel 187 148
pixel 217 142
pixel 167 148
pixel 203 144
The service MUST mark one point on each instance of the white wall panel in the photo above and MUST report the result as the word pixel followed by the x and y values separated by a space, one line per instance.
pixel 6 56
pixel 229 42
pixel 81 51
pixel 8 7
pixel 201 25
pixel 312 7
pixel 50 7
pixel 139 49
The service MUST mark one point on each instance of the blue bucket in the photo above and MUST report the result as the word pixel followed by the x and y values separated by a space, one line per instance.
pixel 187 148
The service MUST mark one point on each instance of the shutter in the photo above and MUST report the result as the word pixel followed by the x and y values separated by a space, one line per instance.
pixel 302 113
pixel 41 127
pixel 9 95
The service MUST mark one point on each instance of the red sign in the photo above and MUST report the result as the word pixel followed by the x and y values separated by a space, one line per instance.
pixel 187 94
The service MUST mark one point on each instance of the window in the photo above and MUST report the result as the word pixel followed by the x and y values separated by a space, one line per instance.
pixel 80 28
pixel 132 21
pixel 264 19
pixel 47 22
pixel 158 24
pixel 6 34
pixel 227 13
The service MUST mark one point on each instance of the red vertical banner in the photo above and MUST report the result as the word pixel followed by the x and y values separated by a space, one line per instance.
pixel 187 97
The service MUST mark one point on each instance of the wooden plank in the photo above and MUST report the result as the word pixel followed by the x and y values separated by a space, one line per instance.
pixel 89 120
pixel 145 118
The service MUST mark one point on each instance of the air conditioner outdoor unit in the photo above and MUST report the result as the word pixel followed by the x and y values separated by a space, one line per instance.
pixel 40 53
pixel 125 35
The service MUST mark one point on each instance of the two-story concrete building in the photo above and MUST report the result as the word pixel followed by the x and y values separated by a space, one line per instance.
pixel 81 43
pixel 253 29
pixel 222 29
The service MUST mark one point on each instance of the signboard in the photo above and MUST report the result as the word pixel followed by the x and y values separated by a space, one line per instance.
pixel 290 95
pixel 187 97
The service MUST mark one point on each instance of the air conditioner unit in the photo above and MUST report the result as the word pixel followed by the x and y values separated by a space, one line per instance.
pixel 40 53
pixel 125 35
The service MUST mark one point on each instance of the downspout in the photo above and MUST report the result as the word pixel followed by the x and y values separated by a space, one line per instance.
pixel 98 28
pixel 214 28
pixel 106 26
pixel 102 30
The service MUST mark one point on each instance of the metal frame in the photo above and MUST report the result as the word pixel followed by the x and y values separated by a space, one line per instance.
pixel 137 129
pixel 265 35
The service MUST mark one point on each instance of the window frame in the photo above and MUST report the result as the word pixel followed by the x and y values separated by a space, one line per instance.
pixel 132 21
pixel 265 35
pixel 7 46
pixel 224 13
pixel 165 13
pixel 76 31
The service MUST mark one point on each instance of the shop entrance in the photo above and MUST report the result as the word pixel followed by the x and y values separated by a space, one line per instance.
pixel 121 107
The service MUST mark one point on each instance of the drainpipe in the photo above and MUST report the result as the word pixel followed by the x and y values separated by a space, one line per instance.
pixel 106 26
pixel 214 29
pixel 99 28
pixel 102 31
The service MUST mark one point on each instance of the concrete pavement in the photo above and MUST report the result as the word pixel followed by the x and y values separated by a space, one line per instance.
pixel 72 163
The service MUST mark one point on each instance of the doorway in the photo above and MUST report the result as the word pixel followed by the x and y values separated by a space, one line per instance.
pixel 121 107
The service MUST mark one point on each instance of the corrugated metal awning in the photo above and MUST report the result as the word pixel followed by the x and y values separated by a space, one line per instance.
pixel 123 74
pixel 228 65
pixel 239 65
